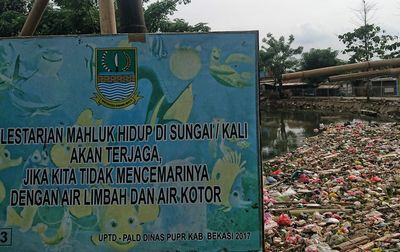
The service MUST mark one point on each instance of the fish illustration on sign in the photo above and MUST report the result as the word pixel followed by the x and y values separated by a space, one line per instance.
pixel 38 159
pixel 49 62
pixel 4 55
pixel 60 236
pixel 31 105
pixel 60 153
pixel 5 159
pixel 24 218
pixel 225 73
pixel 122 220
pixel 5 163
pixel 224 174
pixel 29 96
pixel 157 47
pixel 236 201
pixel 90 63
pixel 45 91
pixel 10 83
pixel 116 77
pixel 2 191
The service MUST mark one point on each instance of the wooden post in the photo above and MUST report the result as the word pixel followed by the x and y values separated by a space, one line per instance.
pixel 107 17
pixel 34 17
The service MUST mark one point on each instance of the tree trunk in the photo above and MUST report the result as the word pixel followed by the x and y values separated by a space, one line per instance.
pixel 280 87
pixel 131 16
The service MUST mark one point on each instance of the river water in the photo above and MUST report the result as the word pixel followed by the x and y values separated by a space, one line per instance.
pixel 284 131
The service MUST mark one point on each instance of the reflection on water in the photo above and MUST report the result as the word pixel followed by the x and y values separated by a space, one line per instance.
pixel 284 131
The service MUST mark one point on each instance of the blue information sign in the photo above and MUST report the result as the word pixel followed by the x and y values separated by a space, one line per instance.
pixel 130 143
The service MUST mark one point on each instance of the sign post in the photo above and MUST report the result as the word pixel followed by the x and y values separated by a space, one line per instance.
pixel 121 143
pixel 34 17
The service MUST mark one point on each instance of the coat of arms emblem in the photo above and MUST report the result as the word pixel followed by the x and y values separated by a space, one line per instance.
pixel 116 77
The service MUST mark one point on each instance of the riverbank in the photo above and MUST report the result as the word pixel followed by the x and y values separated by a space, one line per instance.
pixel 388 107
pixel 340 191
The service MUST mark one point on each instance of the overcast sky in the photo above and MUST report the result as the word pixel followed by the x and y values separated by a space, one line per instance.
pixel 314 23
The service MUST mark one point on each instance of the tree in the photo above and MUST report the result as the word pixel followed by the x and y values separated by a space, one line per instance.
pixel 70 17
pixel 318 58
pixel 278 57
pixel 157 18
pixel 60 17
pixel 368 40
pixel 82 17
pixel 12 16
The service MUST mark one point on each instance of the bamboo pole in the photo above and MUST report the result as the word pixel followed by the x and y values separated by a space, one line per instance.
pixel 107 17
pixel 34 17
pixel 326 71
pixel 361 75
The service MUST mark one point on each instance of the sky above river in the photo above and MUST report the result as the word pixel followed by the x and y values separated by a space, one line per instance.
pixel 314 23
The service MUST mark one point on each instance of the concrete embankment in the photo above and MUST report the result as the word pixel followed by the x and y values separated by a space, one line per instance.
pixel 388 107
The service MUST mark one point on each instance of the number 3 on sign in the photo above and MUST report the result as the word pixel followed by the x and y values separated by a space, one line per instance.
pixel 5 236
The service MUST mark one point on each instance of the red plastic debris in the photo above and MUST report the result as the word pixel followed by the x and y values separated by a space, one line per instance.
pixel 284 220
pixel 375 179
pixel 277 172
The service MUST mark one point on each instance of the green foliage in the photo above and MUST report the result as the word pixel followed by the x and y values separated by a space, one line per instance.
pixel 179 1
pixel 76 4
pixel 368 41
pixel 11 23
pixel 277 55
pixel 318 58
pixel 157 14
pixel 60 17
pixel 13 5
pixel 180 25
pixel 12 16
pixel 82 17
pixel 70 17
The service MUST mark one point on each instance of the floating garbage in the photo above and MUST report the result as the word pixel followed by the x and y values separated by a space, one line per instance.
pixel 340 191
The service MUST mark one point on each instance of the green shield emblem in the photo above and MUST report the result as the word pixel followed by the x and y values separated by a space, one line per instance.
pixel 116 77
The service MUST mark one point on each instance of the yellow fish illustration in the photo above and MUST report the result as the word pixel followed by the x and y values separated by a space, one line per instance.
pixel 23 220
pixel 6 162
pixel 124 219
pixel 2 191
pixel 61 153
pixel 61 234
pixel 224 174
pixel 80 211
pixel 5 159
